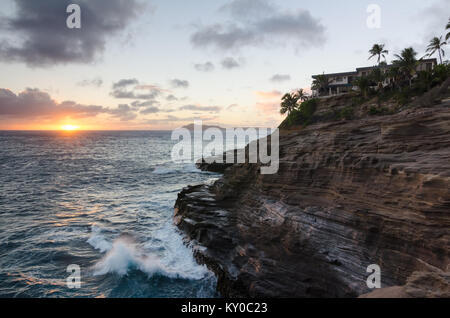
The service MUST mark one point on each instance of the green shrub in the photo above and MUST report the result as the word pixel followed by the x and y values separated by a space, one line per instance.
pixel 373 111
pixel 303 116
pixel 440 73
pixel 347 112
pixel 356 101
pixel 404 96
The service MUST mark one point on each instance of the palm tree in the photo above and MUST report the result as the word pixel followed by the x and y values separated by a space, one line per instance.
pixel 378 76
pixel 288 104
pixel 448 28
pixel 320 83
pixel 363 83
pixel 394 73
pixel 379 51
pixel 436 44
pixel 407 63
pixel 300 94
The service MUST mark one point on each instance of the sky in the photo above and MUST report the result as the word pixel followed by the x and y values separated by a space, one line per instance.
pixel 156 65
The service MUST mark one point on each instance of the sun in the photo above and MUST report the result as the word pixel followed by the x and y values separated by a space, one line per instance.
pixel 69 127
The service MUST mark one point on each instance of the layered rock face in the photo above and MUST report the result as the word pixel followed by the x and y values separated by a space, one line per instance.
pixel 347 194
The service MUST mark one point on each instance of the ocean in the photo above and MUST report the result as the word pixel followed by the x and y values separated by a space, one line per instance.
pixel 102 201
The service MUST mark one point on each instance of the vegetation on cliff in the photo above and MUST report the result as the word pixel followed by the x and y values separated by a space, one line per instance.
pixel 397 85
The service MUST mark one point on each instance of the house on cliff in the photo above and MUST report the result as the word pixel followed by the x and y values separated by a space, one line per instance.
pixel 341 83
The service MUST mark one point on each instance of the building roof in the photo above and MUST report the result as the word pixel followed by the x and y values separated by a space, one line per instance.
pixel 337 74
pixel 366 68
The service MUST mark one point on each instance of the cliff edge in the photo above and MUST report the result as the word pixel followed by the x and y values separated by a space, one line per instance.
pixel 348 193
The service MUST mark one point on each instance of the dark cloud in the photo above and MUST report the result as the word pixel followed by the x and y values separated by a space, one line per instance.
pixel 150 110
pixel 230 107
pixel 177 83
pixel 44 39
pixel 171 98
pixel 230 63
pixel 201 108
pixel 138 104
pixel 123 111
pixel 96 82
pixel 223 37
pixel 205 67
pixel 247 10
pixel 132 89
pixel 259 22
pixel 125 82
pixel 34 103
pixel 280 78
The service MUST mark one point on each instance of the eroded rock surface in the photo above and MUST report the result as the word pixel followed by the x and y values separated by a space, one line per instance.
pixel 348 194
pixel 419 285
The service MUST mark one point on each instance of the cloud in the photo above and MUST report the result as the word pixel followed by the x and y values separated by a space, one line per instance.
pixel 205 67
pixel 269 108
pixel 177 83
pixel 44 39
pixel 123 111
pixel 223 37
pixel 34 103
pixel 125 82
pixel 138 104
pixel 277 78
pixel 150 110
pixel 230 107
pixel 96 82
pixel 268 95
pixel 246 10
pixel 174 119
pixel 434 17
pixel 230 63
pixel 259 23
pixel 171 98
pixel 132 89
pixel 201 108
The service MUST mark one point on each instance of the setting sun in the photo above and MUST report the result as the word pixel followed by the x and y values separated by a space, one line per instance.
pixel 69 127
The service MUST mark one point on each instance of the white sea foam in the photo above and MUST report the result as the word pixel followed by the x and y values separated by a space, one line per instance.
pixel 98 240
pixel 174 259
pixel 176 255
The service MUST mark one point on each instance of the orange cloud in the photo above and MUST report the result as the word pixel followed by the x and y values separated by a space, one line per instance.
pixel 269 95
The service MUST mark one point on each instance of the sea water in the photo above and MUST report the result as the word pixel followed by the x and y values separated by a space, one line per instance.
pixel 102 201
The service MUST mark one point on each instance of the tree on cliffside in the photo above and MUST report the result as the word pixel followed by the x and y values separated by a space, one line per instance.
pixel 320 83
pixel 363 83
pixel 436 44
pixel 448 28
pixel 301 95
pixel 288 103
pixel 378 75
pixel 407 63
pixel 379 51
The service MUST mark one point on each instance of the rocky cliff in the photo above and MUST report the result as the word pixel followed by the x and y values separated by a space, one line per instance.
pixel 348 193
